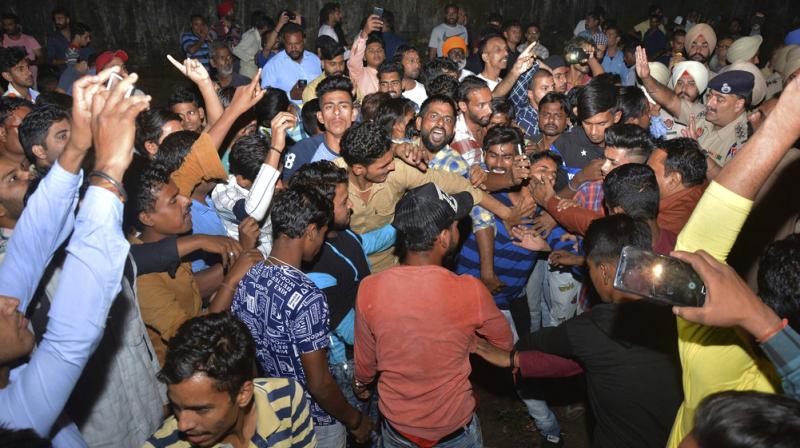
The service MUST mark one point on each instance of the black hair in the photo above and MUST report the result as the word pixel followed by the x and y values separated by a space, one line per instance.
pixel 534 157
pixel 468 85
pixel 685 156
pixel 294 209
pixel 59 10
pixel 632 102
pixel 143 184
pixel 572 101
pixel 371 103
pixel 613 26
pixel 436 67
pixel 34 128
pixel 59 99
pixel 247 155
pixel 149 124
pixel 388 19
pixel 556 97
pixel 631 138
pixel 216 345
pixel 503 106
pixel 10 16
pixel 10 438
pixel 364 143
pixel 184 94
pixel 543 73
pixel 198 16
pixel 633 187
pixel 442 85
pixel 309 115
pixel 606 237
pixel 678 32
pixel 451 6
pixel 500 135
pixel 610 78
pixel 326 11
pixel 79 29
pixel 273 102
pixel 291 28
pixel 375 36
pixel 508 24
pixel 401 51
pixel 9 104
pixel 494 17
pixel 392 111
pixel 779 278
pixel 391 67
pixel 328 48
pixel 485 41
pixel 173 150
pixel 9 57
pixel 259 19
pixel 322 176
pixel 739 419
pixel 338 83
pixel 418 232
pixel 437 98
pixel 225 95
pixel 596 98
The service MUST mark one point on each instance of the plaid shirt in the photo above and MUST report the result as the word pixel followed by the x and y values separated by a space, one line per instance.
pixel 448 159
pixel 590 195
pixel 526 116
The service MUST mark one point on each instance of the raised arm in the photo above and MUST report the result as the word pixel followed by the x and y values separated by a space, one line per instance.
pixel 657 91
pixel 194 70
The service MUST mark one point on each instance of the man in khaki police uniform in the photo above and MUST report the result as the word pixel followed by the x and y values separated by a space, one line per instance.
pixel 721 128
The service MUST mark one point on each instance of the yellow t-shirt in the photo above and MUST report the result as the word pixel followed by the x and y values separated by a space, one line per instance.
pixel 716 359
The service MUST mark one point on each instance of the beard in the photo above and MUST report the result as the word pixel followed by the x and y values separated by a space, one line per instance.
pixel 226 71
pixel 433 147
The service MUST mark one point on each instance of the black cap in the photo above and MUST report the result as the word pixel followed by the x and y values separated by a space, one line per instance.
pixel 734 82
pixel 555 61
pixel 427 209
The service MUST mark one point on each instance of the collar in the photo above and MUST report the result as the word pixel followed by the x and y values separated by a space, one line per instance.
pixel 12 92
pixel 267 421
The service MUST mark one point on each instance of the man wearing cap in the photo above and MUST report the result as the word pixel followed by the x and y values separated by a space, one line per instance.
pixel 446 30
pixel 745 49
pixel 721 128
pixel 559 68
pixel 700 42
pixel 417 345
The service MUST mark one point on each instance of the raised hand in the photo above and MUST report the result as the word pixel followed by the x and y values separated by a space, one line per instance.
pixel 191 68
pixel 249 233
pixel 529 239
pixel 247 96
pixel 642 68
pixel 374 23
pixel 412 154
pixel 520 170
pixel 280 124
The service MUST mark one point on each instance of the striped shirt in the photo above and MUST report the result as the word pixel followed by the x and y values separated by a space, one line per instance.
pixel 512 264
pixel 450 160
pixel 283 419
pixel 202 54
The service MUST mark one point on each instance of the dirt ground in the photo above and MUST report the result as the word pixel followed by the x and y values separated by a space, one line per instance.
pixel 504 419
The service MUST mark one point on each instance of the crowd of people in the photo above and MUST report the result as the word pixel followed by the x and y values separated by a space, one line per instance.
pixel 311 239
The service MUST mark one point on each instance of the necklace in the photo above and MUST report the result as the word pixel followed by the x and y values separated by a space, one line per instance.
pixel 284 263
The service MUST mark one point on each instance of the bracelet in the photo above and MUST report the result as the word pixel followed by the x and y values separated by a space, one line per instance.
pixel 773 332
pixel 114 183
pixel 358 422
pixel 227 286
pixel 272 148
pixel 569 184
pixel 511 355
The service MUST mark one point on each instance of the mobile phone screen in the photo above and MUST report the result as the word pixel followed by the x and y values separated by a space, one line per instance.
pixel 376 11
pixel 659 278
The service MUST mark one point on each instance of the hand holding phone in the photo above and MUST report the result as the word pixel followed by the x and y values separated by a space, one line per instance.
pixel 377 11
pixel 113 80
pixel 659 278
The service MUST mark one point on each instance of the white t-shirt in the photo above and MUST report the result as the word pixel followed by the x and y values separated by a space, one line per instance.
pixel 492 83
pixel 418 94
pixel 442 32
pixel 327 30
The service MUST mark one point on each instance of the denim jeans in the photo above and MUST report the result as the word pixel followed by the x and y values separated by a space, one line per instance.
pixel 343 374
pixel 470 438
pixel 331 436
pixel 536 291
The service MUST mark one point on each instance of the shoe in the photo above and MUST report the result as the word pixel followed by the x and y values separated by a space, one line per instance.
pixel 551 441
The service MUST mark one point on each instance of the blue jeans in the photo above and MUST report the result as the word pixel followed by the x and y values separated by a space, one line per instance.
pixel 331 436
pixel 470 438
pixel 343 374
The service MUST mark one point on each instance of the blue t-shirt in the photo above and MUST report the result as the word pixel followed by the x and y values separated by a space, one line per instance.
pixel 512 264
pixel 205 221
pixel 287 315
pixel 301 153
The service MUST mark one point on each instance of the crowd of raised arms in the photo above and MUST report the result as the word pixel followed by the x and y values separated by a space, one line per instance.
pixel 312 239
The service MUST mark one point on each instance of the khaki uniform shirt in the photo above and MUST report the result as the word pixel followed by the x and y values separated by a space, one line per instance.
pixel 378 210
pixel 720 144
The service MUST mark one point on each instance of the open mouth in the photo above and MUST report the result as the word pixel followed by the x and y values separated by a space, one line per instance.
pixel 437 135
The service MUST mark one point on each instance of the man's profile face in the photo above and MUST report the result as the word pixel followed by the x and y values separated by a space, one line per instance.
pixel 411 64
pixel 14 182
pixel 656 162
pixel 20 74
pixel 451 16
pixel 379 170
pixel 205 415
pixel 596 125
pixel 496 53
pixel 686 88
pixel 614 157
pixel 560 79
pixel 11 134
pixel 336 112
pixel 17 339
pixel 333 67
pixel 552 119
pixel 55 142
pixel 699 50
pixel 544 168
pixel 542 85
pixel 342 207
pixel 294 44
pixel 192 116
pixel 479 106
pixel 171 212
pixel 436 126
pixel 390 83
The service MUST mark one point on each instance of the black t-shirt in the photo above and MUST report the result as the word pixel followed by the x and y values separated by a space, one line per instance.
pixel 344 259
pixel 576 148
pixel 630 355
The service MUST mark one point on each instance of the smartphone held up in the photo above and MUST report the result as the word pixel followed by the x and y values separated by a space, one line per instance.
pixel 659 278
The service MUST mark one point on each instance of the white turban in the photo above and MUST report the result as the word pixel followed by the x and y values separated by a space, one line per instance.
pixel 779 58
pixel 792 63
pixel 701 29
pixel 744 48
pixel 659 72
pixel 696 70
